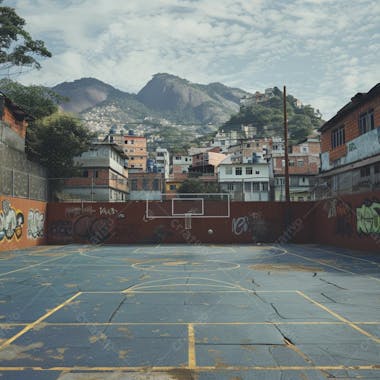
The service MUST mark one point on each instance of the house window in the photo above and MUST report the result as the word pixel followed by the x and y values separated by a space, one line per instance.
pixel 228 170
pixel 264 186
pixel 230 186
pixel 173 187
pixel 305 149
pixel 85 173
pixel 365 171
pixel 247 186
pixel 299 163
pixel 248 170
pixel 96 173
pixel 377 168
pixel 257 172
pixel 155 185
pixel 366 122
pixel 134 184
pixel 145 184
pixel 338 137
pixel 256 186
pixel 291 163
pixel 238 171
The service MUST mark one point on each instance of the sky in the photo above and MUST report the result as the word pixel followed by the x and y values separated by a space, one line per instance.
pixel 324 51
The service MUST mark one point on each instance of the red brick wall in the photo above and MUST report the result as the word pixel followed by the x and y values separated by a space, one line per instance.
pixel 24 225
pixel 349 221
pixel 18 126
pixel 351 127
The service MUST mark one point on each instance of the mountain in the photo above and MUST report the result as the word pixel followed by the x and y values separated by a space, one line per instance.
pixel 180 100
pixel 164 98
pixel 172 106
pixel 84 93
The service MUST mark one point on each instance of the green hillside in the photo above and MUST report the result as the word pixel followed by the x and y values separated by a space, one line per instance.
pixel 267 117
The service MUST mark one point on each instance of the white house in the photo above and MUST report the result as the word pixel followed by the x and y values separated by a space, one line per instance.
pixel 163 161
pixel 245 181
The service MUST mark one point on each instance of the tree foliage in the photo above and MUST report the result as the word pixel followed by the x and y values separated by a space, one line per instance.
pixel 268 118
pixel 55 140
pixel 37 101
pixel 193 185
pixel 17 47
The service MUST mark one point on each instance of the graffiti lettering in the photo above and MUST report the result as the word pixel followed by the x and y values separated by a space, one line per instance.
pixel 11 222
pixel 368 218
pixel 240 225
pixel 253 224
pixel 36 221
pixel 107 211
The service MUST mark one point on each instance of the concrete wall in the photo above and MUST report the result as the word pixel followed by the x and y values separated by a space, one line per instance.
pixel 22 223
pixel 20 177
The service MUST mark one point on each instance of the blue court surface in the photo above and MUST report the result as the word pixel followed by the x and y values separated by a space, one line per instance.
pixel 189 312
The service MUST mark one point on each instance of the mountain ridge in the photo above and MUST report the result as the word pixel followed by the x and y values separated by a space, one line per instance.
pixel 165 96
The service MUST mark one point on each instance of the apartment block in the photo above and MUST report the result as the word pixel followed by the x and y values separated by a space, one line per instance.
pixel 135 150
pixel 103 176
pixel 304 164
pixel 350 141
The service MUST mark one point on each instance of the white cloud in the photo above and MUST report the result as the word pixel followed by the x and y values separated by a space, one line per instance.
pixel 250 44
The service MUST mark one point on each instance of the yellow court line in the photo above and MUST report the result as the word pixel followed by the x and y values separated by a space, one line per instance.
pixel 191 349
pixel 30 326
pixel 338 316
pixel 34 265
pixel 79 324
pixel 198 369
pixel 331 266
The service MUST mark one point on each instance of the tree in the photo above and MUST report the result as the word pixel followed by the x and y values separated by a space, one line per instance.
pixel 191 186
pixel 17 48
pixel 37 101
pixel 56 140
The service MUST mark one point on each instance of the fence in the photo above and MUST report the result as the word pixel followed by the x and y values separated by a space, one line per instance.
pixel 20 184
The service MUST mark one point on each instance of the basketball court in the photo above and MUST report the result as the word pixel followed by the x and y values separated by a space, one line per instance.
pixel 189 312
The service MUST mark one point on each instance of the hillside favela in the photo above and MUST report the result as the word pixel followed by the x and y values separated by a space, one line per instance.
pixel 189 190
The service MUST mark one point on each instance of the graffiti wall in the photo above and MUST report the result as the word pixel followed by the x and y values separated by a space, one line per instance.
pixel 351 221
pixel 22 223
pixel 126 223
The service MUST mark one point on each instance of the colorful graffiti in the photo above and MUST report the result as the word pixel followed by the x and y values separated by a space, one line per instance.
pixel 11 222
pixel 368 218
pixel 36 221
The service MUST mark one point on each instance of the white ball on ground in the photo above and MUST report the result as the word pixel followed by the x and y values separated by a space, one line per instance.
pixel 210 231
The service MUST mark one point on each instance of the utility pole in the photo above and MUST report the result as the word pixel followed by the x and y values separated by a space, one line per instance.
pixel 287 193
